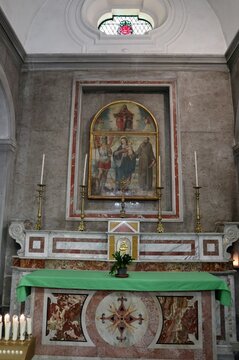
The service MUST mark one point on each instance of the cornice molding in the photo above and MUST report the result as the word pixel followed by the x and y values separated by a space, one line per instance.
pixel 36 62
pixel 10 38
pixel 232 53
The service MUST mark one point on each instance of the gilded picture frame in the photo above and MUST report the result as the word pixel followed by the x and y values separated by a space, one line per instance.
pixel 124 152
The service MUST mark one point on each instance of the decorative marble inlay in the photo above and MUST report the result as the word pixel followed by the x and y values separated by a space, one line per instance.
pixel 180 325
pixel 77 246
pixel 182 322
pixel 143 246
pixel 211 247
pixel 121 319
pixel 36 244
pixel 105 265
pixel 169 248
pixel 64 321
pixel 123 226
pixel 125 325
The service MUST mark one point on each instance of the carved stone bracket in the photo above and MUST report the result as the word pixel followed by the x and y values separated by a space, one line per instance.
pixel 17 232
pixel 231 235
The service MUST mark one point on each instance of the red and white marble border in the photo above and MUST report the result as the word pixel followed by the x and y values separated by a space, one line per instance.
pixel 75 153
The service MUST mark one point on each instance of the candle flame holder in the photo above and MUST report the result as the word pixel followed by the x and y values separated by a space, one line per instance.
pixel 198 226
pixel 40 190
pixel 160 227
pixel 17 349
pixel 82 226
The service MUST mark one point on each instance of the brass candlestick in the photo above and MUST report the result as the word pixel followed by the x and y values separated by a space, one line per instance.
pixel 123 184
pixel 82 226
pixel 40 190
pixel 198 226
pixel 160 227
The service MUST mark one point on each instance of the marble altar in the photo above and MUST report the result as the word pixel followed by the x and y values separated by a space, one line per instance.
pixel 210 327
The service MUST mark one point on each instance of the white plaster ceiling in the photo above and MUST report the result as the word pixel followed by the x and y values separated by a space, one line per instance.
pixel 70 26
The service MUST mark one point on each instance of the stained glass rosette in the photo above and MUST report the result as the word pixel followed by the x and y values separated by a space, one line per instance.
pixel 125 28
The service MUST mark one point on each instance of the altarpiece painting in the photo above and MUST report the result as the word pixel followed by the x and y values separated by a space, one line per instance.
pixel 123 152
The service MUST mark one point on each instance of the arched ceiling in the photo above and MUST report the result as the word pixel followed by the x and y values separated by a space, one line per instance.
pixel 70 26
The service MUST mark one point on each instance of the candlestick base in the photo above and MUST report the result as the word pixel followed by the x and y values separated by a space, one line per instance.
pixel 160 227
pixel 40 190
pixel 82 226
pixel 198 226
pixel 22 350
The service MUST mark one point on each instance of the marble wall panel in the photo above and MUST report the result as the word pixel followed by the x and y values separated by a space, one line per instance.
pixel 204 102
pixel 216 176
pixel 204 111
pixel 45 130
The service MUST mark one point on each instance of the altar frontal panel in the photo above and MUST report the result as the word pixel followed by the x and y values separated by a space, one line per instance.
pixel 124 324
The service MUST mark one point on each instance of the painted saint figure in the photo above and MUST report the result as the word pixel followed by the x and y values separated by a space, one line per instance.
pixel 104 163
pixel 125 162
pixel 146 163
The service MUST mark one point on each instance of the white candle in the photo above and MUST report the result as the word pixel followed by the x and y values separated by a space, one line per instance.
pixel 0 327
pixel 22 327
pixel 159 171
pixel 196 167
pixel 15 325
pixel 42 168
pixel 84 173
pixel 7 326
pixel 29 325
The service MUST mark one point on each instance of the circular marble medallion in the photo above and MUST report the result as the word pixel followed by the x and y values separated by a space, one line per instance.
pixel 122 319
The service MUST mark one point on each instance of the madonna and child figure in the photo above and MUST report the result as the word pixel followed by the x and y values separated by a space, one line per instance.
pixel 125 162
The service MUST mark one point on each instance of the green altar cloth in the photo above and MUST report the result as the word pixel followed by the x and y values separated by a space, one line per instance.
pixel 137 281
